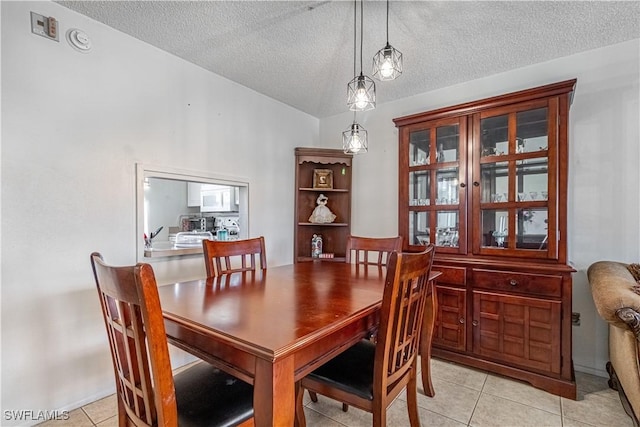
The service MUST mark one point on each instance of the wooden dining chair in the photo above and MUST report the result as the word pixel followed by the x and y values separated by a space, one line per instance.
pixel 359 249
pixel 370 375
pixel 147 391
pixel 232 256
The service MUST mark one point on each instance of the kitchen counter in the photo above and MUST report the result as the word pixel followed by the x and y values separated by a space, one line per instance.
pixel 169 248
pixel 165 249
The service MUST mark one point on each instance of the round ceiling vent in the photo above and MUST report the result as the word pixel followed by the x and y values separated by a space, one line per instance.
pixel 79 40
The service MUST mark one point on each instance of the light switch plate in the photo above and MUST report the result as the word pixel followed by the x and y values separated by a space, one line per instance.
pixel 44 26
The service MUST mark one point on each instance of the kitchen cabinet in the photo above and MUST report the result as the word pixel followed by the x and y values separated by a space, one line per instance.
pixel 193 194
pixel 322 171
pixel 486 182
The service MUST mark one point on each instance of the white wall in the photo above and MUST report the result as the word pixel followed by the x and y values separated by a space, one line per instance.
pixel 74 126
pixel 604 199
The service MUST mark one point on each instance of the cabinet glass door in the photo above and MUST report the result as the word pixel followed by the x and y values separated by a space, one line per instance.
pixel 513 199
pixel 435 185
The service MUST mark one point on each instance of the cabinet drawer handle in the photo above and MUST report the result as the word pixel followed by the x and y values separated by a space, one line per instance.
pixel 476 184
pixel 474 323
pixel 513 282
pixel 462 185
pixel 461 320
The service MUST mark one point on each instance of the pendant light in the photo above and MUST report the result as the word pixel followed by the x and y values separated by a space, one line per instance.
pixel 361 91
pixel 387 63
pixel 354 139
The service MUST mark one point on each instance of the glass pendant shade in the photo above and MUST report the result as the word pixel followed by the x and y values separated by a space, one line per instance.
pixel 387 63
pixel 354 140
pixel 361 94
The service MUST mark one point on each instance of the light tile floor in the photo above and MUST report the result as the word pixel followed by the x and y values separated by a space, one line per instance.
pixel 464 397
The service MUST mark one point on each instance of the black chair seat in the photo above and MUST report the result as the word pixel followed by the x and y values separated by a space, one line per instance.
pixel 351 371
pixel 207 396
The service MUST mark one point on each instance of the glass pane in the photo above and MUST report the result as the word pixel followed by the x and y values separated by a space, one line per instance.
pixel 494 225
pixel 532 228
pixel 448 143
pixel 419 148
pixel 495 135
pixel 419 228
pixel 419 188
pixel 531 131
pixel 532 179
pixel 447 186
pixel 447 229
pixel 494 179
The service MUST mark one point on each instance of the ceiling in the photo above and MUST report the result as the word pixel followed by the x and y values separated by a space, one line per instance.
pixel 302 52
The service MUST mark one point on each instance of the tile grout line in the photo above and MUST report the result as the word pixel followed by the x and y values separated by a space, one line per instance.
pixel 478 399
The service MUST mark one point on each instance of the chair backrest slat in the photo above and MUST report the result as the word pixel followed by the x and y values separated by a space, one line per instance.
pixel 359 249
pixel 231 256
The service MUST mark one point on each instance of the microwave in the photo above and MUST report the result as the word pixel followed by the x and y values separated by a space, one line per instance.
pixel 218 198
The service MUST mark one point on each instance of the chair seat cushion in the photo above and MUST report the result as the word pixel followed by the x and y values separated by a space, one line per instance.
pixel 207 396
pixel 351 371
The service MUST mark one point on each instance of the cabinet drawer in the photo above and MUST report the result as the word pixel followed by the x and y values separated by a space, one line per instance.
pixel 536 284
pixel 451 275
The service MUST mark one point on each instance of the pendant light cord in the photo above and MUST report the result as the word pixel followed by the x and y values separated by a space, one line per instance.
pixel 387 22
pixel 355 42
pixel 361 31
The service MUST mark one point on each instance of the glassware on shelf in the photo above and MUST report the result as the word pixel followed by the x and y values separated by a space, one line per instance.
pixel 447 236
pixel 533 194
pixel 440 154
pixel 501 233
pixel 445 201
pixel 499 198
pixel 423 240
pixel 490 151
pixel 545 195
pixel 522 197
pixel 419 148
pixel 500 236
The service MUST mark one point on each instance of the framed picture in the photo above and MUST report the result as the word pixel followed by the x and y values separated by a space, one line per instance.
pixel 322 178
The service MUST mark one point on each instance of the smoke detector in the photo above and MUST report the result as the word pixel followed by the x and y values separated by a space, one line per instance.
pixel 79 40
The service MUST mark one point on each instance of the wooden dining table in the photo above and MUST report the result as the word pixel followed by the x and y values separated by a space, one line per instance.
pixel 271 328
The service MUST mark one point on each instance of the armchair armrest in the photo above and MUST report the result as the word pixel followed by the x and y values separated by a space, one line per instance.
pixel 632 318
pixel 615 294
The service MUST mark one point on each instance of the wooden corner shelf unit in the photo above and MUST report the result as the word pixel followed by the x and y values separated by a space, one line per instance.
pixel 486 182
pixel 334 234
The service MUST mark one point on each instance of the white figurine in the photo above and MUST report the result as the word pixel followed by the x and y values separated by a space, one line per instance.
pixel 322 214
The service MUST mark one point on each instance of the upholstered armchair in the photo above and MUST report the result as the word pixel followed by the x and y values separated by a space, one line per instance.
pixel 617 298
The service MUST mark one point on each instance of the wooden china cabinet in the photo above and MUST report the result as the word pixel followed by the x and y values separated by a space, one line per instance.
pixel 486 182
pixel 335 166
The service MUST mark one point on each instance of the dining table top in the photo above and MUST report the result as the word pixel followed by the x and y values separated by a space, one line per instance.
pixel 269 312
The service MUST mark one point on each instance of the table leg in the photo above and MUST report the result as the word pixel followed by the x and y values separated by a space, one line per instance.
pixel 428 326
pixel 274 393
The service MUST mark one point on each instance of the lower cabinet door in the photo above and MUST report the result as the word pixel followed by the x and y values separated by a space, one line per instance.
pixel 451 318
pixel 517 330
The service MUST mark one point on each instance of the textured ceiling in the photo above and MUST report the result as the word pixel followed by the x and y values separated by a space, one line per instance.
pixel 301 52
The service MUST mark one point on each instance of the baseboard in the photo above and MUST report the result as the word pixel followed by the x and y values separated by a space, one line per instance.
pixel 589 370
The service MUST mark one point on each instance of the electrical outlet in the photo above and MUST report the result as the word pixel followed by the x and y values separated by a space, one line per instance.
pixel 575 319
pixel 45 26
